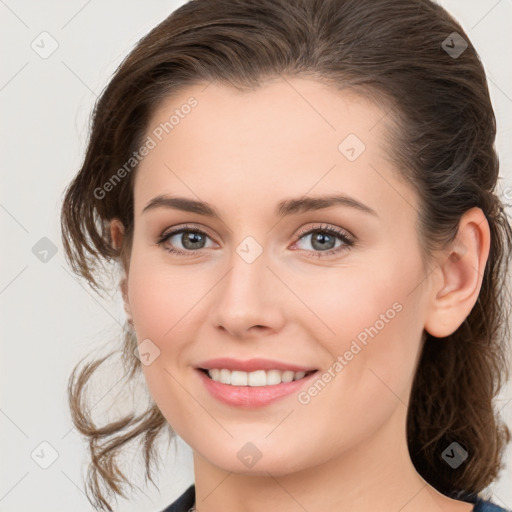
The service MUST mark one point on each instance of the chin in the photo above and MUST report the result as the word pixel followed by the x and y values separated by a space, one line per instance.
pixel 249 460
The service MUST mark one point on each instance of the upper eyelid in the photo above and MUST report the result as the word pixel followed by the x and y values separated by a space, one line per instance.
pixel 187 227
pixel 302 232
pixel 327 227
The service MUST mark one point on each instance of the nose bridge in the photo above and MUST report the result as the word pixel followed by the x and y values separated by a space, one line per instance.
pixel 248 296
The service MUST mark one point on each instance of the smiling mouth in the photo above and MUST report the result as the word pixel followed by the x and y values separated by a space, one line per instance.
pixel 258 378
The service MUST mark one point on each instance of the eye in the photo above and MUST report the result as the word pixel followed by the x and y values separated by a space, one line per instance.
pixel 192 239
pixel 323 240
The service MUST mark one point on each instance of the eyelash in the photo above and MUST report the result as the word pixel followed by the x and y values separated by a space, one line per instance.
pixel 342 235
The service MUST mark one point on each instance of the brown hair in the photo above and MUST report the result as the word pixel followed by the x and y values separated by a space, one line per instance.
pixel 442 142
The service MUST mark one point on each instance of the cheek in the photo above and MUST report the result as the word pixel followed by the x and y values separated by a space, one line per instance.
pixel 374 351
pixel 159 298
pixel 372 323
pixel 161 303
pixel 351 300
pixel 152 310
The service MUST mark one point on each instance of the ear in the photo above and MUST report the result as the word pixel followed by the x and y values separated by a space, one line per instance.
pixel 124 292
pixel 458 277
pixel 116 233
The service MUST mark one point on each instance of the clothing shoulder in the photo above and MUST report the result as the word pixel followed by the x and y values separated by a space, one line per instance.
pixel 482 505
pixel 184 503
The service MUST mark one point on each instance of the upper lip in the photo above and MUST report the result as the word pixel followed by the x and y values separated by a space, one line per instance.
pixel 251 365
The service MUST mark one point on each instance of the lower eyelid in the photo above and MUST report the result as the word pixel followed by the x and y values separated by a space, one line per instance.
pixel 346 243
pixel 179 232
pixel 347 240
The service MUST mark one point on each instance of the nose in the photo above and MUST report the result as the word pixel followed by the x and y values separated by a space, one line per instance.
pixel 249 300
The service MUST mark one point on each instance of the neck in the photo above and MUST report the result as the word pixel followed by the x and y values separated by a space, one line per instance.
pixel 375 474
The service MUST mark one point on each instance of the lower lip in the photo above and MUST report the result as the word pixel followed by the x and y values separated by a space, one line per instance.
pixel 251 396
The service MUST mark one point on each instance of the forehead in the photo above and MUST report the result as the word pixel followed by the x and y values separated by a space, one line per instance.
pixel 289 136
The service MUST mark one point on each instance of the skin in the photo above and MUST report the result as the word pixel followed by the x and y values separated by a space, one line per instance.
pixel 243 153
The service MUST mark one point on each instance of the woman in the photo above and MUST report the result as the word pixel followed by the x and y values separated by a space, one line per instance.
pixel 302 197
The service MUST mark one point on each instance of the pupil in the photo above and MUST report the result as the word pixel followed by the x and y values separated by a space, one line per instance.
pixel 193 238
pixel 320 238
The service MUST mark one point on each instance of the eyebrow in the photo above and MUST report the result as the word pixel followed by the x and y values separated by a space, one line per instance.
pixel 283 208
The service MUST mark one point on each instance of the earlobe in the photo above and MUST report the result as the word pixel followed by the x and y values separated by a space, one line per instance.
pixel 126 302
pixel 460 271
pixel 116 232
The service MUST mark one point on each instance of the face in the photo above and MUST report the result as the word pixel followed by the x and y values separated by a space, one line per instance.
pixel 334 287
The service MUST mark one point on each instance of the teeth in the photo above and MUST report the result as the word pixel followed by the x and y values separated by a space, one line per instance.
pixel 238 378
pixel 256 378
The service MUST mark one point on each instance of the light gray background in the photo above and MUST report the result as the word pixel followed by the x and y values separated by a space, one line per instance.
pixel 50 319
